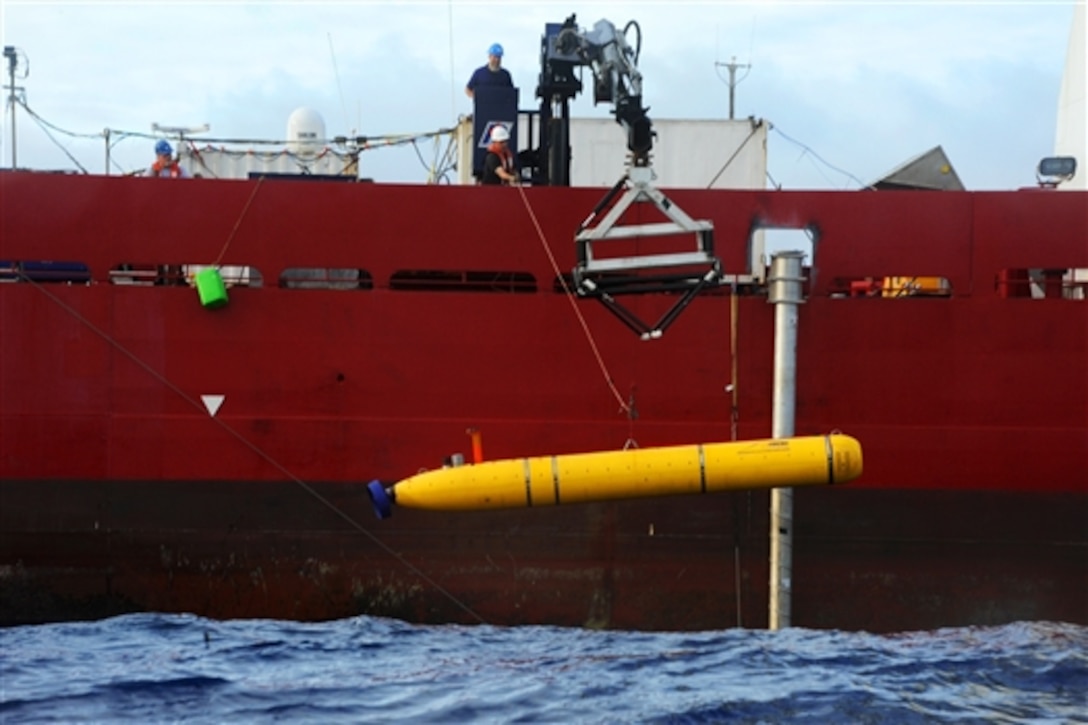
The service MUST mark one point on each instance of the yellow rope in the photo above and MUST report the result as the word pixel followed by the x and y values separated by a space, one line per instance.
pixel 574 306
pixel 238 223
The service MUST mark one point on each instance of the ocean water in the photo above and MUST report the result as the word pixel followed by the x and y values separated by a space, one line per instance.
pixel 153 668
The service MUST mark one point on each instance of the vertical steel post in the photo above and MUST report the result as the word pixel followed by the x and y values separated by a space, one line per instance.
pixel 785 292
pixel 12 57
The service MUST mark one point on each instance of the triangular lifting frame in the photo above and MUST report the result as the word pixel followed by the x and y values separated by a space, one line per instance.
pixel 604 278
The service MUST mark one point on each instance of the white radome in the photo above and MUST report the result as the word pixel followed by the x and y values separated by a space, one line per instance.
pixel 305 132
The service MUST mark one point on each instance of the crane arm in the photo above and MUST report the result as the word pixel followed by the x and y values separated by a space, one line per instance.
pixel 617 79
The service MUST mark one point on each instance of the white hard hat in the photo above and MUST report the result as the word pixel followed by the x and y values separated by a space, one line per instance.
pixel 499 133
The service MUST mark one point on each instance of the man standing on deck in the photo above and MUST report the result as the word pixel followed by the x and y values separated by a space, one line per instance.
pixel 165 165
pixel 492 74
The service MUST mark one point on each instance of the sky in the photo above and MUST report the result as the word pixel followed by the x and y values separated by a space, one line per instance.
pixel 852 89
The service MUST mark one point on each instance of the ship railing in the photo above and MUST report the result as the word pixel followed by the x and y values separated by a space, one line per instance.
pixel 171 275
pixel 335 278
pixel 465 280
pixel 232 274
pixel 129 274
pixel 893 286
pixel 45 271
pixel 1043 283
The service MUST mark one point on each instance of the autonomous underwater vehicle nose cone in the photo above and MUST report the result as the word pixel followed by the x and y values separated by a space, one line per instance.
pixel 380 498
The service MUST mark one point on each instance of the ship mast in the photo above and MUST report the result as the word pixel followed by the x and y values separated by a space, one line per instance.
pixel 12 57
pixel 733 65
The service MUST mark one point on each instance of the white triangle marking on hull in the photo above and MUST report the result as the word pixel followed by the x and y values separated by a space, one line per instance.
pixel 212 403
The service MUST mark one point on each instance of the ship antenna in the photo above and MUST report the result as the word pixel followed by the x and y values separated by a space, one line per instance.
pixel 733 66
pixel 453 82
pixel 339 86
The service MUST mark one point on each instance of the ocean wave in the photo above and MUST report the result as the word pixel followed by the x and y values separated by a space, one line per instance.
pixel 164 668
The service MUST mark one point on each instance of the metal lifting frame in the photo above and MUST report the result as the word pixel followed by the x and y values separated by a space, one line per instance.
pixel 599 277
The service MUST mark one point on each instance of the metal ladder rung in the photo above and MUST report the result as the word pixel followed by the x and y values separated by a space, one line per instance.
pixel 647 262
pixel 643 230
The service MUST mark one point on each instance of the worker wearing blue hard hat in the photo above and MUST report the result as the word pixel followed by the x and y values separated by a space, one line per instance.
pixel 492 74
pixel 165 163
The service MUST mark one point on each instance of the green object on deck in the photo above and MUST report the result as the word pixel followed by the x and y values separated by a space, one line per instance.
pixel 209 284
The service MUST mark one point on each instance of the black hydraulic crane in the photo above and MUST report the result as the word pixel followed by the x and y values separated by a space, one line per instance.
pixel 616 80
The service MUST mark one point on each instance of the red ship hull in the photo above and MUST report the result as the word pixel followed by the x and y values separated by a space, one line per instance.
pixel 120 492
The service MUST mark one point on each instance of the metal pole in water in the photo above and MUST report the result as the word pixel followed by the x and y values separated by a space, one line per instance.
pixel 785 292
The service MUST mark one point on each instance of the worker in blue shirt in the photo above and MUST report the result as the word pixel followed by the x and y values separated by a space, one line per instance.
pixel 492 74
